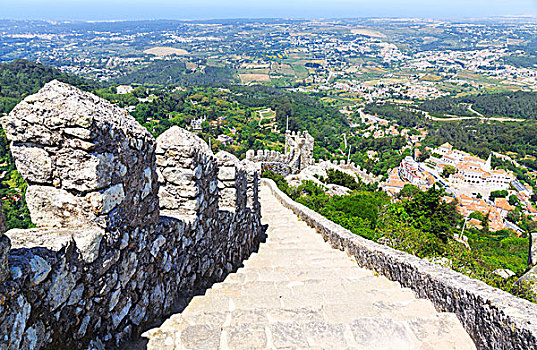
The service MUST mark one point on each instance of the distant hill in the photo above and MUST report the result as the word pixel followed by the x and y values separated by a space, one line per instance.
pixel 175 72
pixel 21 78
pixel 520 104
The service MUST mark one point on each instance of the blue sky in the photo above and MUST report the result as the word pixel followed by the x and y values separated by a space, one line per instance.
pixel 204 9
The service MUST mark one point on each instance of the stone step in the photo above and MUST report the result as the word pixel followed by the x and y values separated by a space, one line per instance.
pixel 297 292
pixel 306 329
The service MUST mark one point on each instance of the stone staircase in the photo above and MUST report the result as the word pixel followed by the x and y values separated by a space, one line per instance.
pixel 299 293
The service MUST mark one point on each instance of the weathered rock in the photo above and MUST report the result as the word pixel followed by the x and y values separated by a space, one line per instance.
pixel 55 207
pixel 87 161
pixel 112 197
pixel 39 268
pixel 63 283
pixel 102 265
pixel 88 242
pixel 5 245
pixel 33 163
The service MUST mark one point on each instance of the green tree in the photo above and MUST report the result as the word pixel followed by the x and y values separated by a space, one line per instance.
pixel 139 92
pixel 448 171
pixel 431 214
pixel 513 200
pixel 514 216
pixel 477 215
pixel 408 191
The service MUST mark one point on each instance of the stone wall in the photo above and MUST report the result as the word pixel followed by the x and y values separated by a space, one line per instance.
pixel 493 318
pixel 299 150
pixel 126 224
pixel 297 156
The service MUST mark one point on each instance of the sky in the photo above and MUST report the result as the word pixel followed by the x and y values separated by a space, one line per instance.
pixel 214 9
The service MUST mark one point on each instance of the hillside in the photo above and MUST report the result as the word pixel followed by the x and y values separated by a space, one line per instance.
pixel 175 72
pixel 21 78
pixel 520 104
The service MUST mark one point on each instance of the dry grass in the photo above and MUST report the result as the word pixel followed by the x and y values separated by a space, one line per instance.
pixel 162 51
pixel 368 32
pixel 246 78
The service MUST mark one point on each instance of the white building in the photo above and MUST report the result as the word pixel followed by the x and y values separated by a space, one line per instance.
pixel 472 171
pixel 410 171
pixel 196 123
pixel 124 89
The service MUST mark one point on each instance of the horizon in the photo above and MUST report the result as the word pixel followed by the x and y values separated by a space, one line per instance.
pixel 215 19
pixel 187 10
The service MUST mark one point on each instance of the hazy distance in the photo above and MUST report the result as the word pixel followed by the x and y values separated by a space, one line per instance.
pixel 207 9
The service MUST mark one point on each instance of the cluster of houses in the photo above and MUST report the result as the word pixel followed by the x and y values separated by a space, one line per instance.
pixel 472 171
pixel 196 125
pixel 470 183
pixel 496 211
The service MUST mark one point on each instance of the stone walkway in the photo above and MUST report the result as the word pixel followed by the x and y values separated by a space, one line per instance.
pixel 298 293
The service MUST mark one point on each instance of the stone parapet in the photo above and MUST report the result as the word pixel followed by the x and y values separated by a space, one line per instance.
pixel 253 174
pixel 104 262
pixel 5 246
pixel 493 318
pixel 298 155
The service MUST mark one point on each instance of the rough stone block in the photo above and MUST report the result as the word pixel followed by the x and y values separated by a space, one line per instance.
pixel 186 172
pixel 54 207
pixel 39 172
pixel 5 246
pixel 86 160
pixel 226 173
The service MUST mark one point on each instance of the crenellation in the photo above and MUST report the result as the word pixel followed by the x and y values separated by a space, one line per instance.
pixel 298 154
pixel 187 173
pixel 89 174
pixel 231 182
pixel 252 189
pixel 102 263
pixel 250 155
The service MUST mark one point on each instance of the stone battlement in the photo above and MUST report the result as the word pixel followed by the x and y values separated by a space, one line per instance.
pixel 298 154
pixel 299 148
pixel 126 224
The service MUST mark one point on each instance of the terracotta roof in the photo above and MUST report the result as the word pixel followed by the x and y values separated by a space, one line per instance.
pixel 502 203
pixel 448 199
pixel 474 159
pixel 475 223
pixel 395 183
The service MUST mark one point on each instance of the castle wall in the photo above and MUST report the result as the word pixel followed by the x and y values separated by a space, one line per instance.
pixel 298 155
pixel 126 225
pixel 493 318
